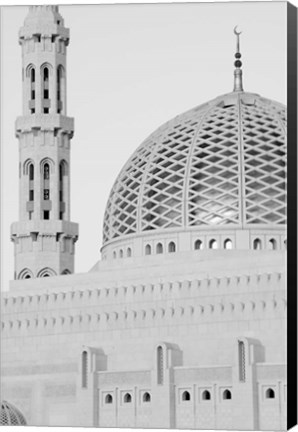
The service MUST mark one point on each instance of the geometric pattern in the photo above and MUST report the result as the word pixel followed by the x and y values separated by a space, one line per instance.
pixel 10 415
pixel 221 163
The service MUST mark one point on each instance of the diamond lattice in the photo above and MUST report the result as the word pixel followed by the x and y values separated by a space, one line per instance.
pixel 222 163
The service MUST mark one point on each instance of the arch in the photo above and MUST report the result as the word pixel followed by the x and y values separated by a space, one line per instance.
pixel 257 244
pixel 206 395
pixel 128 253
pixel 198 244
pixel 213 244
pixel 47 66
pixel 46 272
pixel 185 396
pixel 121 253
pixel 63 169
pixel 172 247
pixel 84 369
pixel 228 244
pixel 28 72
pixel 48 161
pixel 148 249
pixel 270 393
pixel 66 272
pixel 60 87
pixel 159 248
pixel 227 394
pixel 127 398
pixel 273 244
pixel 146 397
pixel 26 166
pixel 109 399
pixel 25 274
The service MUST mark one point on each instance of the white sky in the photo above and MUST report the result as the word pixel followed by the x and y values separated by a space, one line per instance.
pixel 130 69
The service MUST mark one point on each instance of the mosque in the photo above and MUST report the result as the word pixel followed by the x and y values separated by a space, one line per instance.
pixel 181 323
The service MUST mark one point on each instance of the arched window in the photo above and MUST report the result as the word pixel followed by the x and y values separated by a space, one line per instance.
pixel 198 244
pixel 121 253
pixel 186 396
pixel 129 252
pixel 148 249
pixel 109 399
pixel 127 398
pixel 213 244
pixel 206 395
pixel 62 185
pixel 159 248
pixel 146 397
pixel 32 90
pixel 160 365
pixel 273 244
pixel 84 369
pixel 27 276
pixel 228 244
pixel 257 244
pixel 32 75
pixel 59 88
pixel 270 394
pixel 45 90
pixel 31 172
pixel 227 394
pixel 114 254
pixel 241 360
pixel 172 247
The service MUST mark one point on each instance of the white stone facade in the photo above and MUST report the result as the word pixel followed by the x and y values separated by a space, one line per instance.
pixel 182 322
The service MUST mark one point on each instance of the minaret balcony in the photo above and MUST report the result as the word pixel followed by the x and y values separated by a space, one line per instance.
pixel 45 122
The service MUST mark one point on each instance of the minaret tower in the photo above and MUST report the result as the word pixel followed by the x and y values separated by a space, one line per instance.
pixel 44 238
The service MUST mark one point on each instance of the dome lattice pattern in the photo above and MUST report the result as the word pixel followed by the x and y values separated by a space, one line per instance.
pixel 10 415
pixel 221 163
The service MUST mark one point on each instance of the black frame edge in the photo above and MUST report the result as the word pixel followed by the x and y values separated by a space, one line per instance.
pixel 292 215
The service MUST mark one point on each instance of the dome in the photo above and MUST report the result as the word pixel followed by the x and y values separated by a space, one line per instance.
pixel 10 415
pixel 220 165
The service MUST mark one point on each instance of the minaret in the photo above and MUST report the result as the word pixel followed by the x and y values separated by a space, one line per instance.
pixel 44 238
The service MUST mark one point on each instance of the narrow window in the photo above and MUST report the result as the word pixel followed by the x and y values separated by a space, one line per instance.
pixel 114 255
pixel 32 88
pixel 46 214
pixel 46 171
pixel 206 395
pixel 227 394
pixel 127 398
pixel 84 369
pixel 32 75
pixel 228 244
pixel 257 245
pixel 241 361
pixel 61 215
pixel 109 399
pixel 30 215
pixel 128 252
pixel 213 244
pixel 148 250
pixel 172 247
pixel 31 195
pixel 198 244
pixel 146 397
pixel 160 365
pixel 59 90
pixel 159 248
pixel 273 244
pixel 121 253
pixel 186 396
pixel 31 172
pixel 270 394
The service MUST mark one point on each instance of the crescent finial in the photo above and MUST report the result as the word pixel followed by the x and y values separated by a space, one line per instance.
pixel 235 31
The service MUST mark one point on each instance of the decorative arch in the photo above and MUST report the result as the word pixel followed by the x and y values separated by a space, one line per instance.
pixel 213 244
pixel 48 161
pixel 159 248
pixel 109 399
pixel 44 66
pixel 25 274
pixel 46 272
pixel 128 253
pixel 26 166
pixel 66 272
pixel 227 395
pixel 29 68
pixel 257 244
pixel 172 247
pixel 185 396
pixel 148 249
pixel 146 397
pixel 228 244
pixel 127 398
pixel 198 244
pixel 121 253
pixel 63 167
pixel 273 244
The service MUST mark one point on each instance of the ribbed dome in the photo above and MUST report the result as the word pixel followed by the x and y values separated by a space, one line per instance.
pixel 10 415
pixel 220 164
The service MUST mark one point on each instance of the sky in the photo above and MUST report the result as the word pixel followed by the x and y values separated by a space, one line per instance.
pixel 130 68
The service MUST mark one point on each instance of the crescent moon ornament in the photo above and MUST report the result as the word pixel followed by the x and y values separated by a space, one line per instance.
pixel 235 31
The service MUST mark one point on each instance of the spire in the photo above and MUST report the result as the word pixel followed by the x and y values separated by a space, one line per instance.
pixel 238 87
